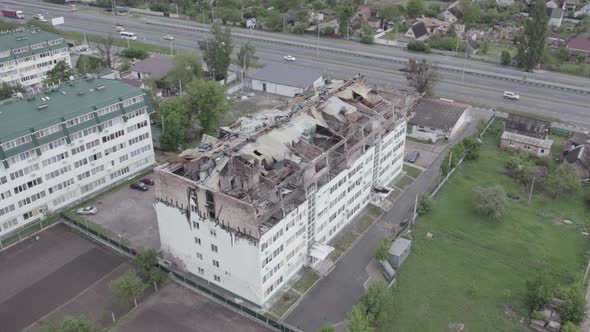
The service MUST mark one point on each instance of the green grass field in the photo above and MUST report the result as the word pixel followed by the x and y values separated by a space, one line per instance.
pixel 412 171
pixel 473 270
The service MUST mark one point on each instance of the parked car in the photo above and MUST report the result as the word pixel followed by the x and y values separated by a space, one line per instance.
pixel 139 186
pixel 148 181
pixel 413 156
pixel 119 28
pixel 87 210
pixel 168 37
pixel 511 95
pixel 289 58
pixel 405 70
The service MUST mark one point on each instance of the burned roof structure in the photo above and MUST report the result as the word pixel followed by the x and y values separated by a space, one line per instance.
pixel 260 167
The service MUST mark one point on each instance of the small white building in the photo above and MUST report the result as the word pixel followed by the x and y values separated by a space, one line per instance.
pixel 449 17
pixel 286 80
pixel 155 67
pixel 399 251
pixel 436 119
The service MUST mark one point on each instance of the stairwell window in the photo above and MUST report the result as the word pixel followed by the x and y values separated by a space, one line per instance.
pixel 213 248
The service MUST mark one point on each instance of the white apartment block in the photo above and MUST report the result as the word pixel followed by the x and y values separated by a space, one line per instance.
pixel 60 145
pixel 248 210
pixel 26 55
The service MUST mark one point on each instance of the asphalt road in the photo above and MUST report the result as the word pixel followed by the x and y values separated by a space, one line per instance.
pixel 384 71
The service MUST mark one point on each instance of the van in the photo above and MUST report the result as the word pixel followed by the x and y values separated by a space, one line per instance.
pixel 128 35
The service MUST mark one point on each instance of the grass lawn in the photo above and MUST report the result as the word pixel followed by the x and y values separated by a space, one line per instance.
pixel 496 47
pixel 374 211
pixel 394 195
pixel 473 270
pixel 412 171
pixel 404 182
pixel 284 303
pixel 306 281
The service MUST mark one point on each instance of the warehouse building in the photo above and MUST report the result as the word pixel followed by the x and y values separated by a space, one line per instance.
pixel 247 211
pixel 62 144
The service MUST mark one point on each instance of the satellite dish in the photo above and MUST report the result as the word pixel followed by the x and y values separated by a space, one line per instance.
pixel 71 77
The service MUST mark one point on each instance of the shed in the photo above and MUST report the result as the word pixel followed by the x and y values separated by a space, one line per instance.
pixel 155 67
pixel 286 80
pixel 399 250
pixel 436 119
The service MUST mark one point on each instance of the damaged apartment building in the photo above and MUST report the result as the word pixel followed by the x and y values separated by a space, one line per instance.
pixel 248 210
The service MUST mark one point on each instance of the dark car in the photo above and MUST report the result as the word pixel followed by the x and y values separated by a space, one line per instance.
pixel 148 181
pixel 413 156
pixel 139 186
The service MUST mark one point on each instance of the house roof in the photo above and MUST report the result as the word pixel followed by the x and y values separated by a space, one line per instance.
pixel 290 75
pixel 527 126
pixel 437 114
pixel 23 37
pixel 554 12
pixel 579 44
pixel 157 66
pixel 542 143
pixel 419 30
pixel 69 100
pixel 399 246
pixel 580 139
pixel 327 11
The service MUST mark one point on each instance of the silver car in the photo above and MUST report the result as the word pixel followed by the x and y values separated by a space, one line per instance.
pixel 87 210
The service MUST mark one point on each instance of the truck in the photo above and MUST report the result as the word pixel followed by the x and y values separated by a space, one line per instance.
pixel 13 13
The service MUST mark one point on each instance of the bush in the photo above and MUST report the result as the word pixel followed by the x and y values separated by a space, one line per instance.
pixel 513 162
pixel 573 307
pixel 538 291
pixel 538 315
pixel 570 327
pixel 424 206
pixel 506 57
pixel 491 201
pixel 418 46
pixel 159 7
pixel 473 146
pixel 382 251
pixel 134 53
pixel 563 180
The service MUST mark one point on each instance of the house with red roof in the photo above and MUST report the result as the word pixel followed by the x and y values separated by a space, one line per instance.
pixel 580 46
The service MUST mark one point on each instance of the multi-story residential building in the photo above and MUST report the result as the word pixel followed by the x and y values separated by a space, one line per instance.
pixel 26 55
pixel 65 143
pixel 248 210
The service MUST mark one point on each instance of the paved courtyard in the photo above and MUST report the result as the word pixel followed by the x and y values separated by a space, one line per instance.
pixel 129 214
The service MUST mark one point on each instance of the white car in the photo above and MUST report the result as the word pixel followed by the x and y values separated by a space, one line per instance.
pixel 119 28
pixel 87 210
pixel 511 95
pixel 40 17
pixel 289 58
pixel 168 37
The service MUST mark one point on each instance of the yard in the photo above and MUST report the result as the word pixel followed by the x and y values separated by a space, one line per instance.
pixel 473 270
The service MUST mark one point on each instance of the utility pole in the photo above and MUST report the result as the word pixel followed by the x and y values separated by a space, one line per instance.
pixel 450 160
pixel 464 60
pixel 180 86
pixel 318 46
pixel 171 51
pixel 415 210
pixel 113 3
pixel 531 192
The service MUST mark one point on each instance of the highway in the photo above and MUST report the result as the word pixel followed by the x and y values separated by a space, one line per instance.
pixel 343 59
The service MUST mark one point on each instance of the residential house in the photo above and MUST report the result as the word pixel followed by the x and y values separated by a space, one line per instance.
pixel 580 46
pixel 333 24
pixel 156 67
pixel 435 26
pixel 583 11
pixel 556 4
pixel 555 16
pixel 526 134
pixel 436 119
pixel 286 80
pixel 367 15
pixel 298 14
pixel 571 5
pixel 417 31
pixel 576 150
pixel 448 16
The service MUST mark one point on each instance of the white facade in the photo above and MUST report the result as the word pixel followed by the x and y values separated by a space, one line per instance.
pixel 28 65
pixel 281 89
pixel 66 172
pixel 434 134
pixel 255 271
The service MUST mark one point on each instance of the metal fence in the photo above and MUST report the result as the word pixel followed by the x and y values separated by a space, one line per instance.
pixel 26 231
pixel 178 276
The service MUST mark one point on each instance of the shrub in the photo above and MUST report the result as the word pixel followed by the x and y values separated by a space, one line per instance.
pixel 563 180
pixel 473 146
pixel 506 57
pixel 382 251
pixel 418 46
pixel 424 205
pixel 537 314
pixel 573 307
pixel 570 327
pixel 134 53
pixel 491 201
pixel 513 162
pixel 538 291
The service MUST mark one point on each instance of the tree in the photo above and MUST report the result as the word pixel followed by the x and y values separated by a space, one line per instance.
pixel 127 288
pixel 418 46
pixel 415 8
pixel 391 11
pixel 491 201
pixel 538 291
pixel 327 328
pixel 147 262
pixel 218 53
pixel 382 251
pixel 367 35
pixel 246 58
pixel 570 327
pixel 473 146
pixel 471 11
pixel 134 53
pixel 174 117
pixel 531 44
pixel 563 180
pixel 88 65
pixel 374 299
pixel 344 13
pixel 357 321
pixel 207 103
pixel 7 90
pixel 573 307
pixel 424 205
pixel 106 50
pixel 61 72
pixel 506 57
pixel 187 67
pixel 71 324
pixel 274 21
pixel 422 76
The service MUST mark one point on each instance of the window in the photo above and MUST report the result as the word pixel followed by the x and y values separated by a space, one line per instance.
pixel 200 256
pixel 201 271
pixel 31 199
pixel 5 195
pixel 6 210
pixel 137 126
pixel 86 188
pixel 9 224
pixel 28 185
pixel 139 138
pixel 123 158
pixel 213 248
pixel 196 225
pixel 58 172
pixel 119 172
pixel 61 186
pixel 92 144
pixel 217 278
pixel 83 175
pixel 78 149
pixel 81 162
pixel 3 180
pixel 215 263
pixel 113 136
pixel 23 172
pixel 197 241
pixel 28 215
pixel 213 232
pixel 95 157
pixel 54 159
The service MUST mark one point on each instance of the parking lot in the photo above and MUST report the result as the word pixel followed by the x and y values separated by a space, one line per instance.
pixel 129 215
pixel 428 152
pixel 38 277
